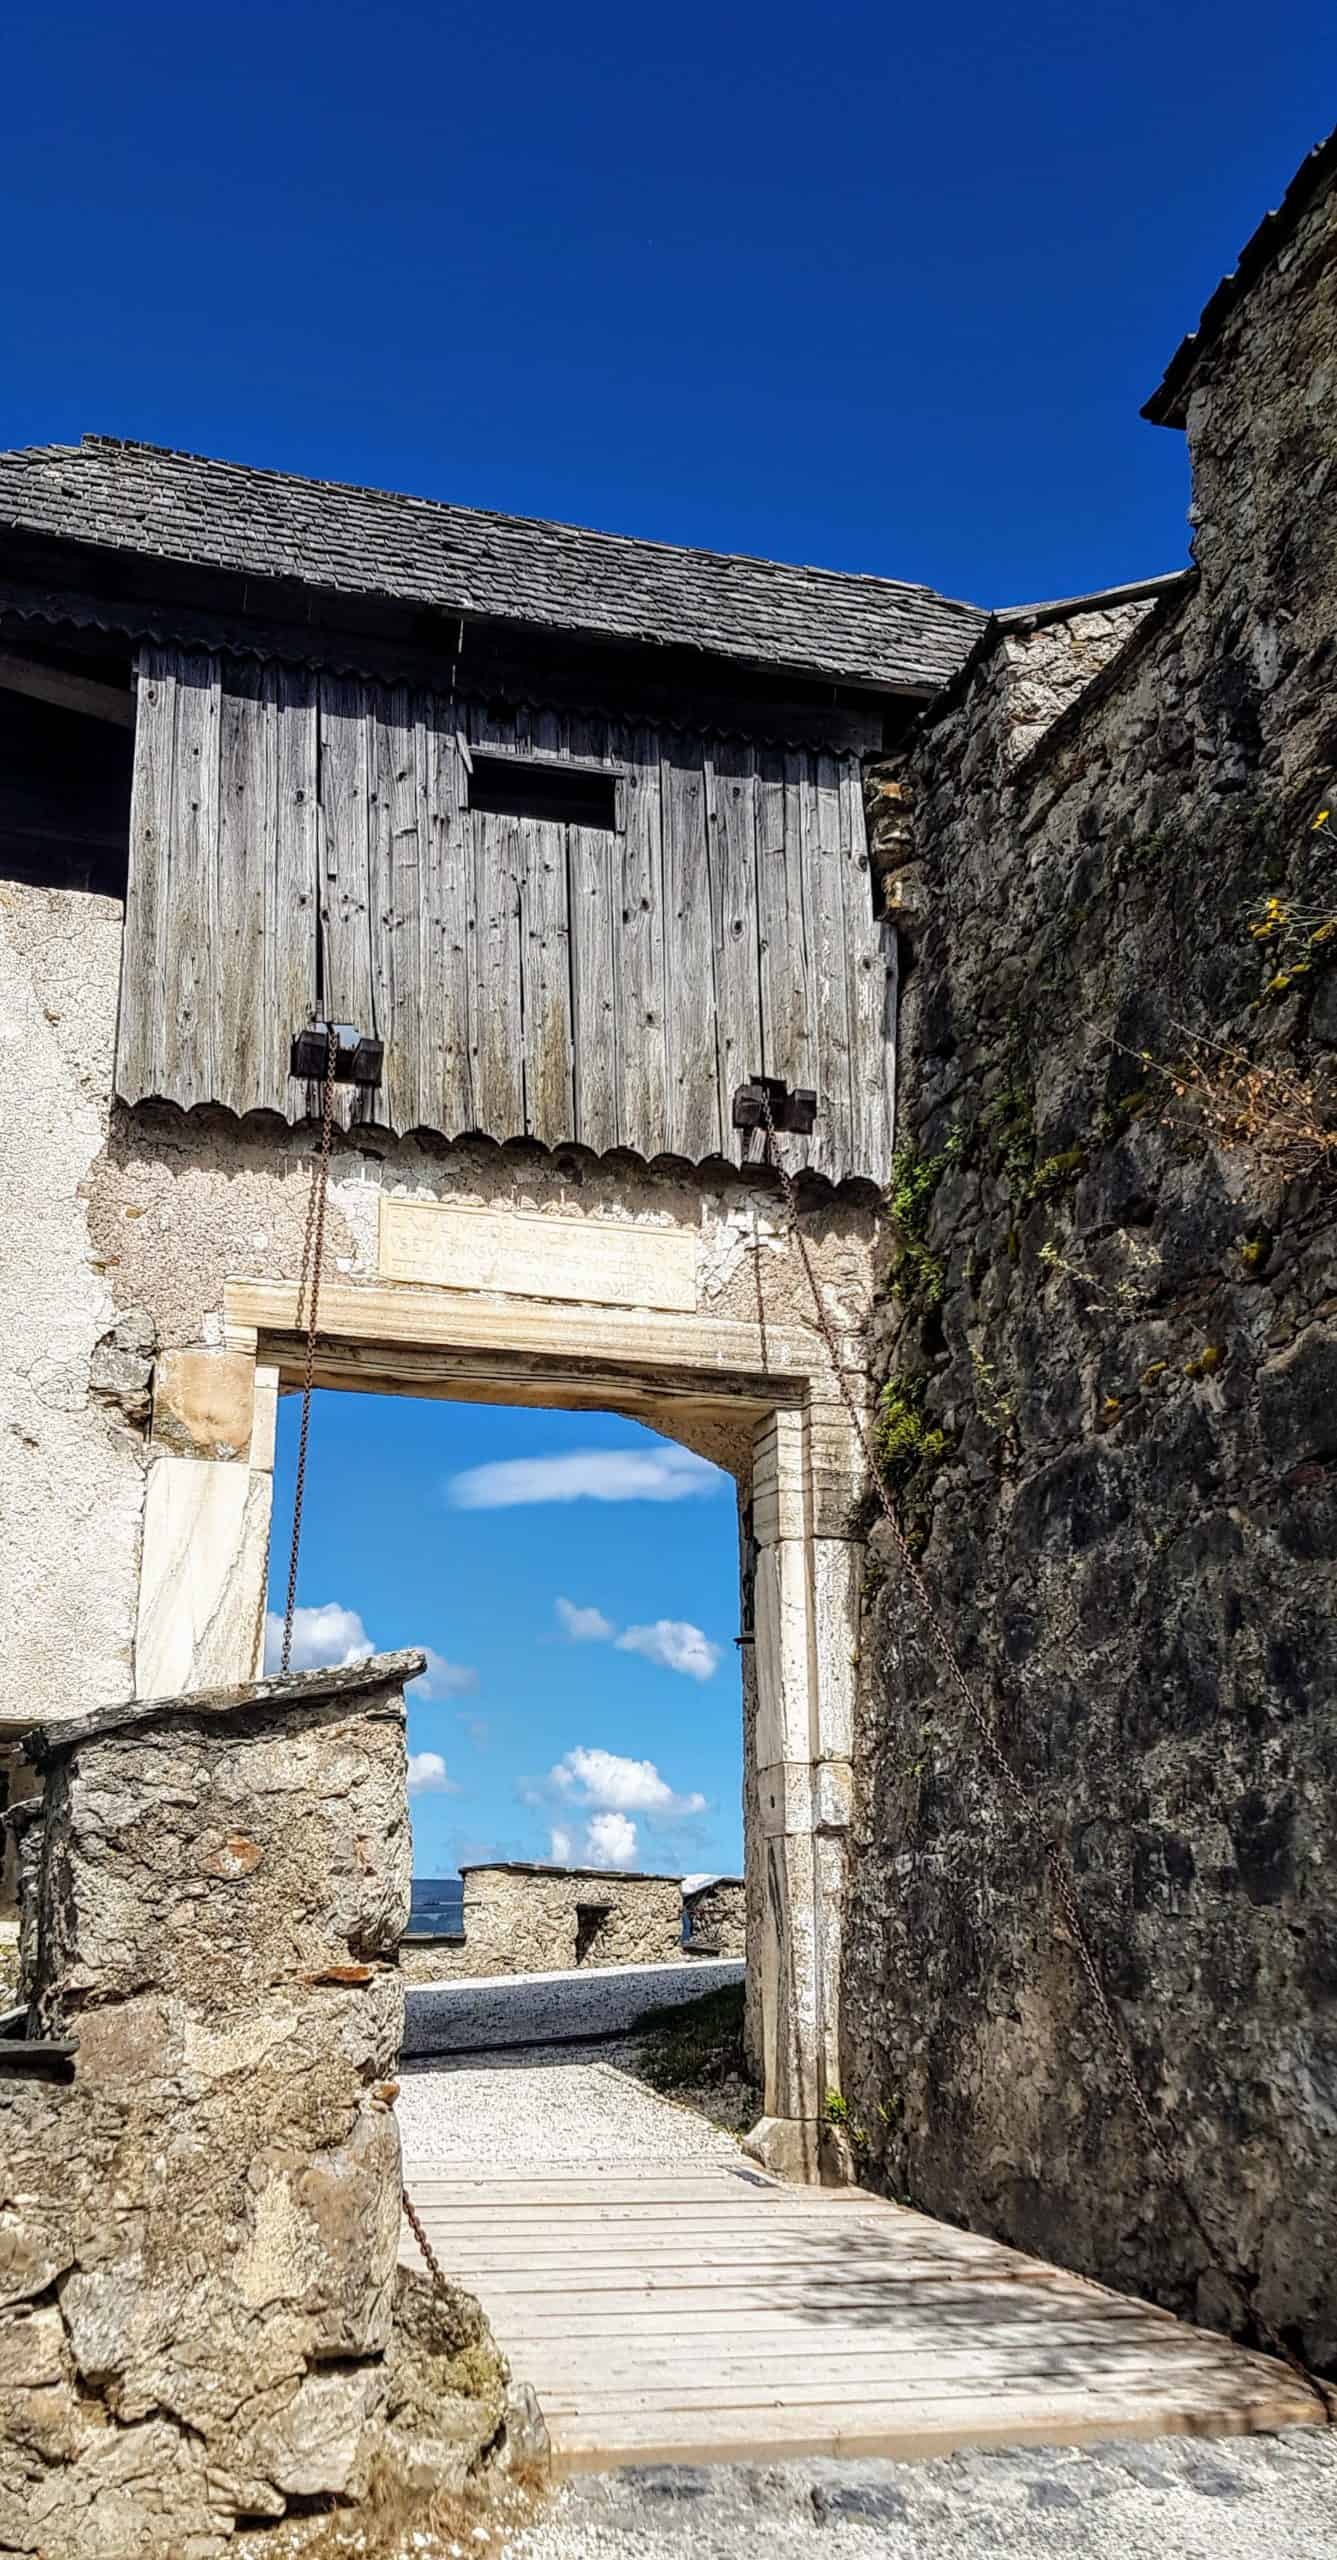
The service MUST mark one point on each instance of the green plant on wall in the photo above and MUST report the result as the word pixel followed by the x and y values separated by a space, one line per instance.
pixel 905 1441
pixel 918 1271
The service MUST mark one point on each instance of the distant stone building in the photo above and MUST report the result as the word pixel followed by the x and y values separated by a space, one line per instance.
pixel 526 1918
pixel 716 1916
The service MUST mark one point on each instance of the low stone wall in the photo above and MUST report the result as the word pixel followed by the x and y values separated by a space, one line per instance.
pixel 200 2211
pixel 531 1919
pixel 717 1918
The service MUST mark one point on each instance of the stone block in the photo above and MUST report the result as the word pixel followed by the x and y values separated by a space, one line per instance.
pixel 779 1479
pixel 203 1403
pixel 783 1657
pixel 837 1577
pixel 789 2146
pixel 264 1428
pixel 206 1527
pixel 785 1798
pixel 789 1988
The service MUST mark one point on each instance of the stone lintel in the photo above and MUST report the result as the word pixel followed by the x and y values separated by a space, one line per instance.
pixel 46 1744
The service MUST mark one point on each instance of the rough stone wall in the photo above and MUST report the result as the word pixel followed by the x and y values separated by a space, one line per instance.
pixel 1110 1351
pixel 73 1346
pixel 526 1920
pixel 717 1916
pixel 198 2235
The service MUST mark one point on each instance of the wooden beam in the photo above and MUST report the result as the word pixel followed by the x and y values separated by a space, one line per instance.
pixel 68 692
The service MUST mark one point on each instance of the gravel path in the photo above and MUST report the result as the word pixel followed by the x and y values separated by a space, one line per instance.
pixel 500 2108
pixel 1244 2498
pixel 454 2017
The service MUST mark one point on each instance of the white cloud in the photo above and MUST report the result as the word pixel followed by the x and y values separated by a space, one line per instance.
pixel 324 1638
pixel 666 1474
pixel 328 1637
pixel 610 1840
pixel 672 1642
pixel 560 1847
pixel 443 1679
pixel 606 1780
pixel 584 1626
pixel 676 1644
pixel 479 1731
pixel 428 1775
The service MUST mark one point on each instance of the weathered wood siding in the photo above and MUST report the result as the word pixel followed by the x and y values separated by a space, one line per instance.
pixel 302 840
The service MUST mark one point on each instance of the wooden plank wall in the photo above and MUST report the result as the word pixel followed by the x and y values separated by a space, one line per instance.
pixel 301 839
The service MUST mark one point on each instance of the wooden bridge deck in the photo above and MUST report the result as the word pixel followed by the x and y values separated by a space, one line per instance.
pixel 709 2313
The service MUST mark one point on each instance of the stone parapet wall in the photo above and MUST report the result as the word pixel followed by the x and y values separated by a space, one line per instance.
pixel 1110 1398
pixel 200 2229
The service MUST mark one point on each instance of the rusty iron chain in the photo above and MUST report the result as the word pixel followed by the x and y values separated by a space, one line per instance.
pixel 308 1306
pixel 308 1298
pixel 430 2258
pixel 1060 1872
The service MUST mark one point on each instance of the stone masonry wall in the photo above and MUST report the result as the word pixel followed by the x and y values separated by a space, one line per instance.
pixel 200 2319
pixel 1109 1342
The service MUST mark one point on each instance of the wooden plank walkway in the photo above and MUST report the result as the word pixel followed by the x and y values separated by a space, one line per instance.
pixel 707 2312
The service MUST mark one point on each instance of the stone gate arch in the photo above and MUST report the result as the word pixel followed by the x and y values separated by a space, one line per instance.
pixel 627 1328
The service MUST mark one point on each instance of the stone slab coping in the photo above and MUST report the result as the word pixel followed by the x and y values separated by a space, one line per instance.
pixel 549 1867
pixel 44 1744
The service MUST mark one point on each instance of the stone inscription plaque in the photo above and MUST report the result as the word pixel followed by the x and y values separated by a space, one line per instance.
pixel 526 1255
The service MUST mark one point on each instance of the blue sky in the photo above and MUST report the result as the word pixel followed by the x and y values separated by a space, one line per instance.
pixel 876 287
pixel 576 1581
pixel 873 287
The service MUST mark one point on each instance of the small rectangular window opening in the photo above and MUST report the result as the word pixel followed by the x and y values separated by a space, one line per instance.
pixel 563 795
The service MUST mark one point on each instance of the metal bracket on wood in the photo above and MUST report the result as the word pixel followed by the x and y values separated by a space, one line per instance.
pixel 796 1111
pixel 357 1059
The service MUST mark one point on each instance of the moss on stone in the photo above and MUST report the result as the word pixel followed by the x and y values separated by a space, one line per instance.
pixel 904 1441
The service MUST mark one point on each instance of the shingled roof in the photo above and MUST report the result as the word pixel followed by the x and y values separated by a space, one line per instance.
pixel 148 500
pixel 1168 405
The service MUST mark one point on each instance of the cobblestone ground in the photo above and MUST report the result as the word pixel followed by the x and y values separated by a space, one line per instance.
pixel 1241 2498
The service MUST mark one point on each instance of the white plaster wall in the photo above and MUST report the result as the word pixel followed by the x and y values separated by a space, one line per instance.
pixel 71 1476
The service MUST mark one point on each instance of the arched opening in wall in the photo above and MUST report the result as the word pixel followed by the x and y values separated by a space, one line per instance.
pixel 582 1586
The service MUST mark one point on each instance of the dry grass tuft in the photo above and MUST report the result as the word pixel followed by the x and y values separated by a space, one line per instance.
pixel 1271 1111
pixel 478 2522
